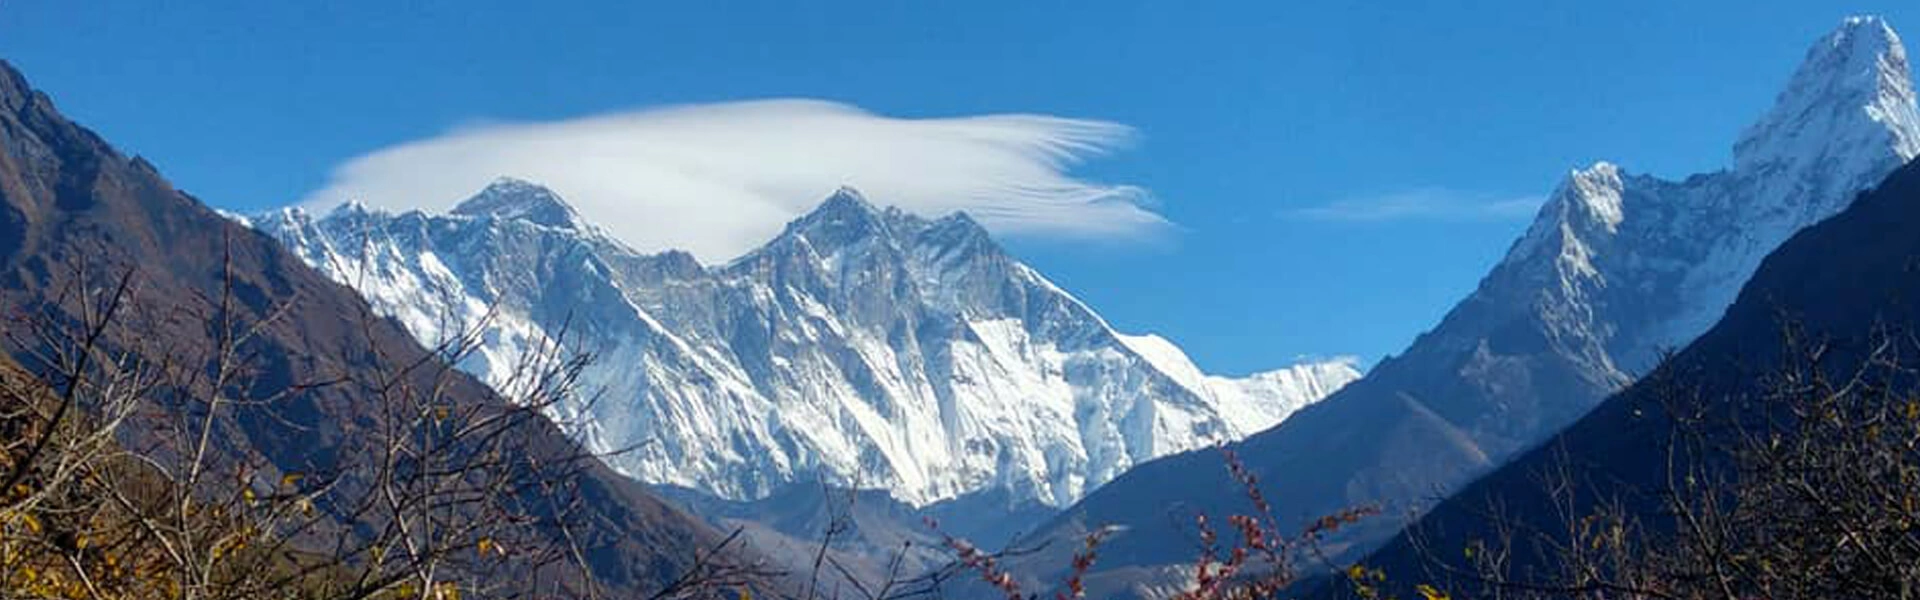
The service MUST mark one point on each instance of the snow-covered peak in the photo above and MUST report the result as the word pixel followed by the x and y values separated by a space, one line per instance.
pixel 508 198
pixel 1588 200
pixel 1595 193
pixel 953 237
pixel 863 346
pixel 843 216
pixel 1851 96
pixel 350 208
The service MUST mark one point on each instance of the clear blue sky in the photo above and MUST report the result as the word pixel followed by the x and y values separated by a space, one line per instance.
pixel 1249 111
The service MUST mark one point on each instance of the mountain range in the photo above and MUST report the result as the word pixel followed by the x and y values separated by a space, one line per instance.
pixel 914 367
pixel 1616 269
pixel 1843 287
pixel 76 216
pixel 863 347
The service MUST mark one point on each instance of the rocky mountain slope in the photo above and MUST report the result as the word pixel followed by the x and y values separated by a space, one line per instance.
pixel 1616 268
pixel 863 347
pixel 1837 284
pixel 76 215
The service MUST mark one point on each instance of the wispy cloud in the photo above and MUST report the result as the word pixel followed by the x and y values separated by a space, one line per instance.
pixel 1432 204
pixel 719 179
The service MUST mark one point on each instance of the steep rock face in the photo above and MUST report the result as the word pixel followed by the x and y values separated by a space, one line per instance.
pixel 73 210
pixel 1837 284
pixel 1616 268
pixel 867 347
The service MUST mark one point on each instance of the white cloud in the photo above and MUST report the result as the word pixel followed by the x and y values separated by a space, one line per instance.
pixel 720 179
pixel 1433 204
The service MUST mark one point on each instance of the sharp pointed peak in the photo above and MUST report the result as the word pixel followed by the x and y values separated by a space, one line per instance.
pixel 1596 192
pixel 508 184
pixel 844 208
pixel 522 200
pixel 845 218
pixel 1872 25
pixel 1852 94
pixel 352 207
pixel 1598 171
pixel 1587 199
pixel 846 198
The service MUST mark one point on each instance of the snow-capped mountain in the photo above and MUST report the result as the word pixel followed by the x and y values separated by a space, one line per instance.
pixel 1661 260
pixel 865 346
pixel 1846 281
pixel 1616 268
pixel 1620 267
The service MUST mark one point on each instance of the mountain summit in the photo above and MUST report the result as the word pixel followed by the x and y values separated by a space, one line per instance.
pixel 1853 90
pixel 1616 268
pixel 1841 285
pixel 76 213
pixel 863 346
pixel 509 198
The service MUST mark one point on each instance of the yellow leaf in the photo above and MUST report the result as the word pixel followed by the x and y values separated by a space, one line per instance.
pixel 289 479
pixel 1428 592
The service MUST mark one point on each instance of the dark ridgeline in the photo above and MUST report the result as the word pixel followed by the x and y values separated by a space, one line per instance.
pixel 1616 268
pixel 1845 286
pixel 74 208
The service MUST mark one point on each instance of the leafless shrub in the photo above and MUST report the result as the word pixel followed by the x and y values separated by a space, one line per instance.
pixel 1807 488
pixel 125 475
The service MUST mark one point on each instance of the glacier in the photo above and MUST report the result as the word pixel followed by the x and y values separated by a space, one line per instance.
pixel 863 347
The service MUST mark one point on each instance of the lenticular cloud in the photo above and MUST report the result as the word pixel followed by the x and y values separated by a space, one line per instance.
pixel 718 179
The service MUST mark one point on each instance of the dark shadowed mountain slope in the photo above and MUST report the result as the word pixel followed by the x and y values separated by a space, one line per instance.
pixel 75 214
pixel 1843 284
pixel 1616 268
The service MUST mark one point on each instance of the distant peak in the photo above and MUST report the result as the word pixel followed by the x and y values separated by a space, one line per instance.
pixel 956 235
pixel 1871 25
pixel 846 206
pixel 844 218
pixel 522 200
pixel 1588 200
pixel 846 199
pixel 960 218
pixel 959 223
pixel 1598 171
pixel 508 184
pixel 1596 192
pixel 1852 94
pixel 352 207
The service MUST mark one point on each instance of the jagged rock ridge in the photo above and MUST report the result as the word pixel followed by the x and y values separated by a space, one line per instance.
pixel 1616 268
pixel 864 346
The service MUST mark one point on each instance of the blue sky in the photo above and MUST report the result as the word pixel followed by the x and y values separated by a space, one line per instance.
pixel 1337 175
